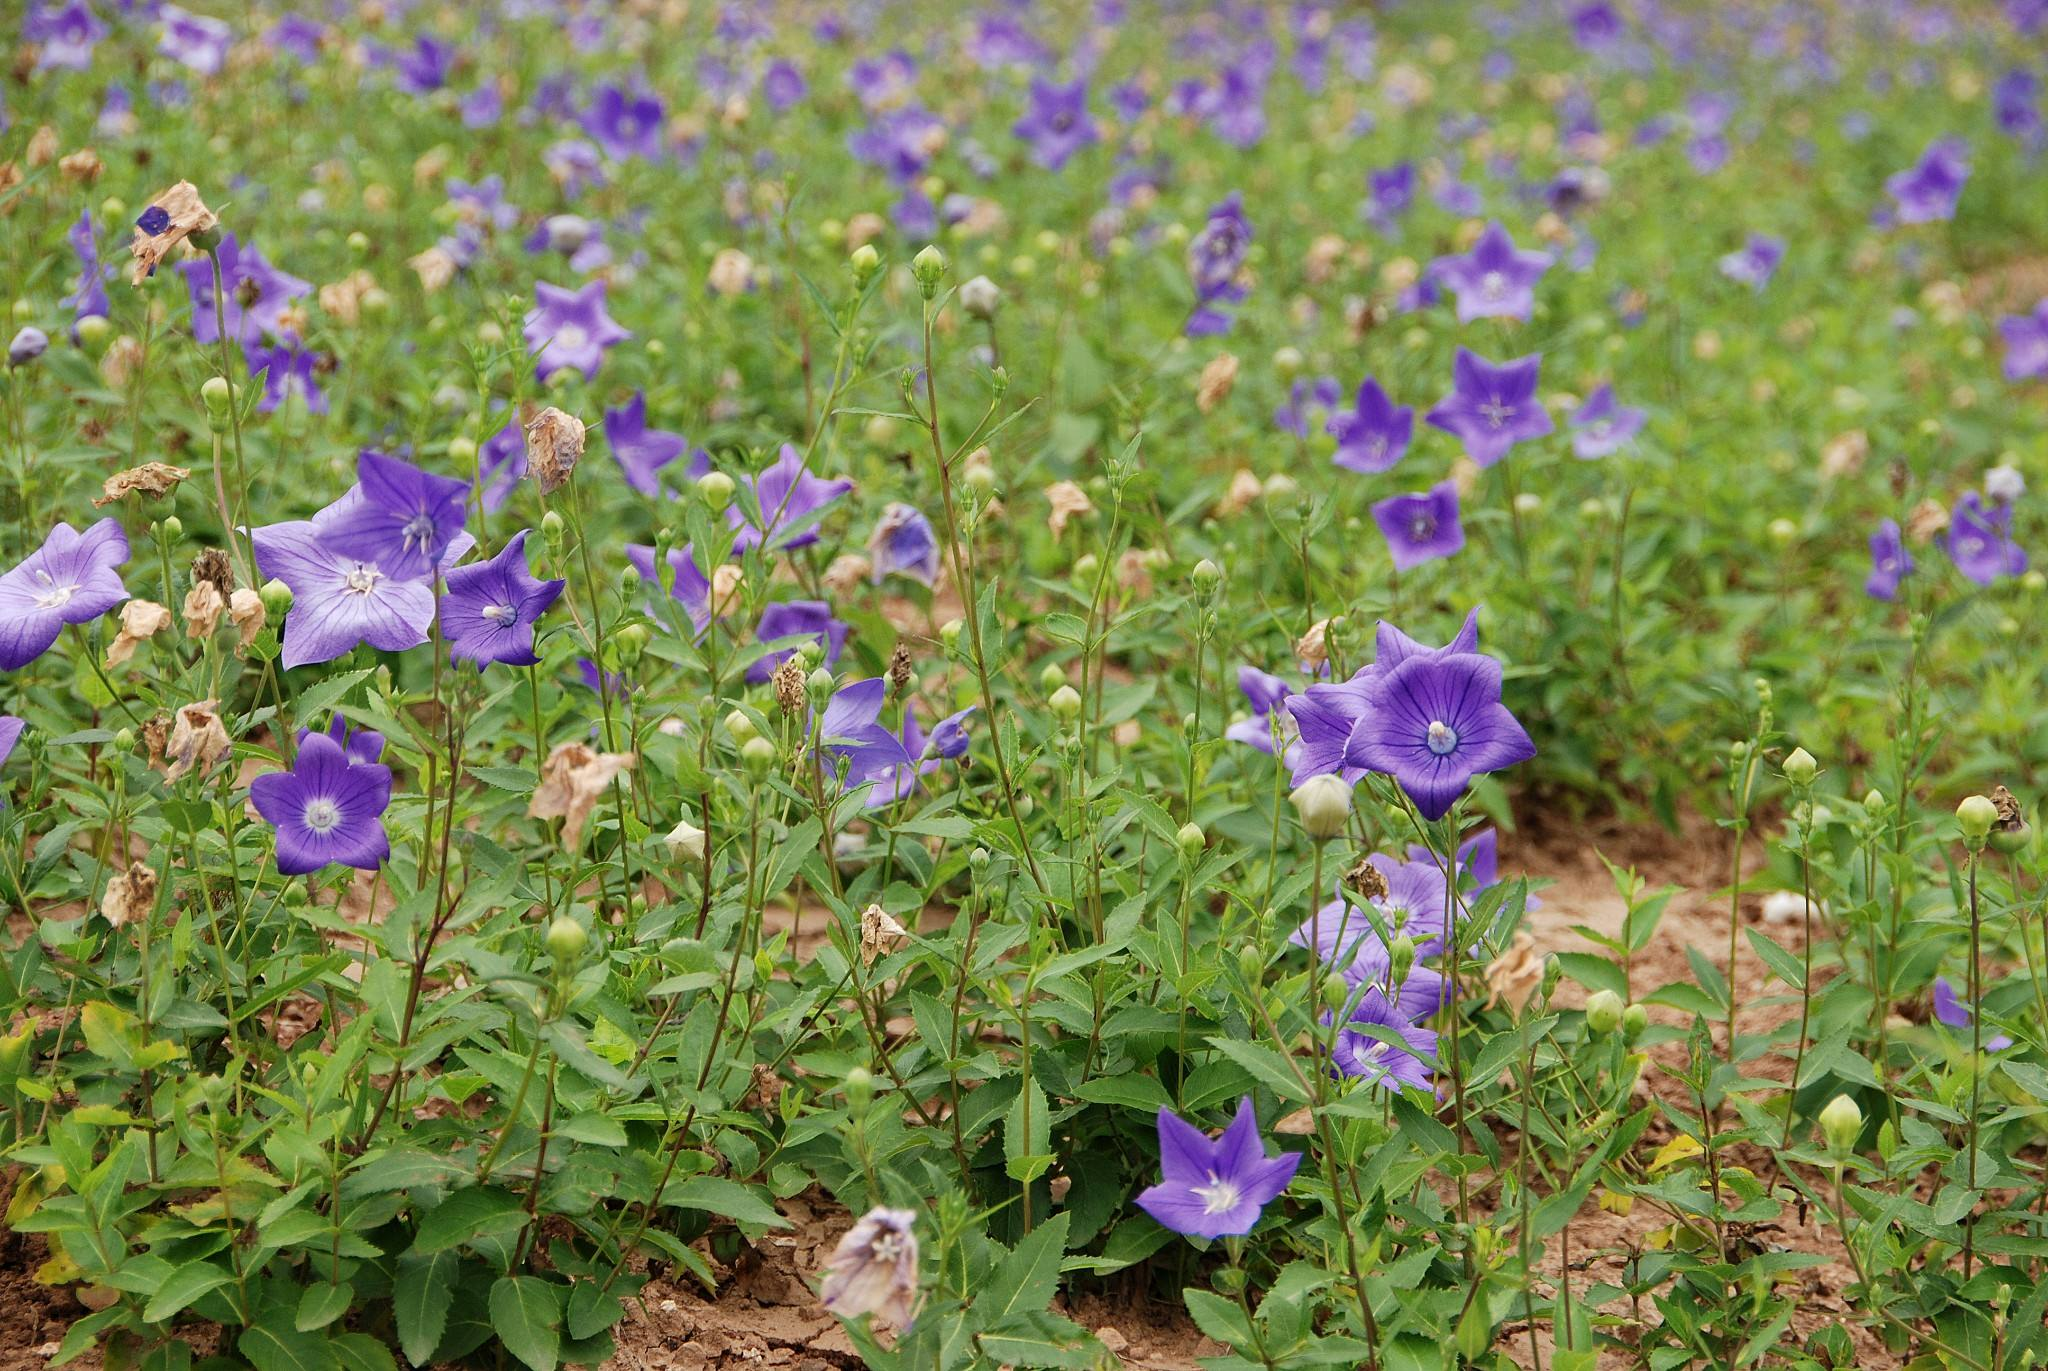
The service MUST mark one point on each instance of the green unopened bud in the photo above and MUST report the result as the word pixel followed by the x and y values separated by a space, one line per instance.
pixel 1334 991
pixel 1400 958
pixel 715 489
pixel 1251 963
pixel 865 262
pixel 1065 703
pixel 860 1087
pixel 757 754
pixel 566 939
pixel 950 631
pixel 124 740
pixel 929 267
pixel 1841 1123
pixel 1192 840
pixel 1801 768
pixel 95 335
pixel 1086 565
pixel 359 243
pixel 632 641
pixel 1603 1011
pixel 1874 803
pixel 1323 804
pixel 1975 815
pixel 818 685
pixel 552 530
pixel 1634 1020
pixel 277 598
pixel 1207 576
pixel 978 860
pixel 462 452
pixel 629 581
pixel 218 395
pixel 1051 677
pixel 1288 362
pixel 741 727
pixel 173 527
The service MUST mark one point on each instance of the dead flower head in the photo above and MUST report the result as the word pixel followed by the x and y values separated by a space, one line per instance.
pixel 1313 647
pixel 1216 382
pixel 878 933
pixel 789 685
pixel 1245 490
pixel 435 267
pixel 245 607
pixel 130 895
pixel 1067 500
pixel 141 620
pixel 197 740
pixel 203 608
pixel 554 445
pixel 1366 881
pixel 172 217
pixel 213 565
pixel 1514 975
pixel 873 1270
pixel 153 479
pixel 732 273
pixel 571 781
pixel 849 571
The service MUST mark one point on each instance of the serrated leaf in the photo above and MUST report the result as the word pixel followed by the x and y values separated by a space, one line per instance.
pixel 526 1312
pixel 1028 1278
pixel 480 1211
pixel 183 1286
pixel 420 1299
pixel 322 1304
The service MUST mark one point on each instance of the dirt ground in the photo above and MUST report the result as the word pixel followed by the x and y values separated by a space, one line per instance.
pixel 767 1316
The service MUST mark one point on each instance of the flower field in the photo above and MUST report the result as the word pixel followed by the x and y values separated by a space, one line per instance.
pixel 717 683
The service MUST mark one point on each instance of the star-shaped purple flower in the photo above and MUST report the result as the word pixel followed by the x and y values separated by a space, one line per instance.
pixel 624 123
pixel 255 293
pixel 70 579
pixel 1755 262
pixel 1058 124
pixel 1927 191
pixel 1495 280
pixel 786 502
pixel 1979 541
pixel 402 518
pixel 1890 563
pixel 569 329
pixel 1382 1046
pixel 1267 695
pixel 1215 1189
pixel 2026 343
pixel 641 451
pixel 903 544
pixel 490 608
pixel 1375 434
pixel 1600 427
pixel 194 40
pixel 65 35
pixel 796 619
pixel 1491 408
pixel 1437 722
pixel 326 809
pixel 1422 526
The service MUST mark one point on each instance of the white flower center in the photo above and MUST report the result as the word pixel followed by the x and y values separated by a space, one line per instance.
pixel 571 338
pixel 1443 739
pixel 1421 528
pixel 52 595
pixel 362 579
pixel 1493 285
pixel 323 816
pixel 1496 413
pixel 500 614
pixel 1218 1196
pixel 888 1247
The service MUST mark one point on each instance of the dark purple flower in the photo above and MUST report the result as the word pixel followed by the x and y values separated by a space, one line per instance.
pixel 1129 100
pixel 423 68
pixel 894 774
pixel 326 809
pixel 2015 104
pixel 852 730
pixel 405 520
pixel 1600 427
pixel 1890 563
pixel 65 35
pixel 786 499
pixel 361 744
pixel 1927 191
pixel 1390 192
pixel 1267 695
pixel 1979 541
pixel 570 329
pixel 625 124
pixel 903 544
pixel 256 295
pixel 1382 1046
pixel 1421 526
pixel 1436 722
pixel 1755 262
pixel 691 590
pixel 1491 408
pixel 1236 105
pixel 1374 436
pixel 900 142
pixel 70 579
pixel 287 371
pixel 796 619
pixel 783 86
pixel 194 40
pixel 1215 1189
pixel 490 608
pixel 2026 343
pixel 642 452
pixel 297 37
pixel 1058 124
pixel 1950 1011
pixel 1595 26
pixel 1495 280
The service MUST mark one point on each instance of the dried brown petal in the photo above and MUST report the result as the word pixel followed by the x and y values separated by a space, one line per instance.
pixel 130 895
pixel 203 608
pixel 554 445
pixel 1067 500
pixel 1244 492
pixel 1366 881
pixel 571 782
pixel 849 571
pixel 878 933
pixel 1514 975
pixel 153 479
pixel 245 607
pixel 1216 381
pixel 188 215
pixel 141 620
pixel 197 742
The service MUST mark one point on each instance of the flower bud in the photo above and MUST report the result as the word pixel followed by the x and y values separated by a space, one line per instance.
pixel 757 754
pixel 1288 362
pixel 1207 576
pixel 950 631
pixel 1801 768
pixel 277 598
pixel 1400 958
pixel 928 267
pixel 715 489
pixel 860 1087
pixel 1975 815
pixel 95 335
pixel 818 685
pixel 1603 1011
pixel 1874 803
pixel 1051 677
pixel 1634 1020
pixel 217 394
pixel 28 345
pixel 1841 1123
pixel 1065 703
pixel 981 297
pixel 1323 804
pixel 1192 840
pixel 685 842
pixel 566 939
pixel 865 262
pixel 1251 963
pixel 552 528
pixel 1335 990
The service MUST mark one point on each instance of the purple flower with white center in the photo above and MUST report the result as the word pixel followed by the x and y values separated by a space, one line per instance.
pixel 1215 1189
pixel 577 164
pixel 490 608
pixel 568 329
pixel 1391 647
pixel 194 40
pixel 483 203
pixel 786 502
pixel 783 86
pixel 116 118
pixel 2026 343
pixel 10 734
pixel 1596 26
pixel 1491 408
pixel 1437 722
pixel 1601 428
pixel 882 81
pixel 65 35
pixel 326 809
pixel 1951 1012
pixel 1495 280
pixel 1267 694
pixel 1305 397
pixel 362 745
pixel 286 372
pixel 405 519
pixel 1927 191
pixel 1421 526
pixel 1979 541
pixel 810 619
pixel 70 579
pixel 625 124
pixel 1890 563
pixel 339 600
pixel 641 451
pixel 255 294
pixel 1375 434
pixel 691 590
pixel 1382 1046
pixel 902 544
pixel 90 297
pixel 1413 907
pixel 1215 257
pixel 1058 124
pixel 1755 262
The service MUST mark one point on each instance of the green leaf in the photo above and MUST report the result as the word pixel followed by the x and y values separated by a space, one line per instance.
pixel 361 1352
pixel 1028 1277
pixel 420 1297
pixel 322 1304
pixel 480 1211
pixel 600 1130
pixel 526 1311
pixel 1268 1066
pixel 1218 1317
pixel 1027 1135
pixel 592 1309
pixel 183 1286
pixel 1783 964
pixel 728 1198
pixel 273 1344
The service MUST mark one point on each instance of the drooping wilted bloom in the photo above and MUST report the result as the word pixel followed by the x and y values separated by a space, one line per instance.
pixel 254 293
pixel 1755 262
pixel 903 544
pixel 490 608
pixel 1422 526
pixel 1215 1189
pixel 1267 695
pixel 1950 1011
pixel 1381 1045
pixel 873 1270
pixel 1495 280
pixel 194 40
pixel 570 329
pixel 326 809
pixel 1927 191
pixel 1058 124
pixel 1436 722
pixel 641 451
pixel 2026 343
pixel 401 518
pixel 1491 408
pixel 65 35
pixel 1890 563
pixel 1375 434
pixel 786 500
pixel 1215 257
pixel 1979 540
pixel 796 619
pixel 1600 427
pixel 70 579
pixel 691 590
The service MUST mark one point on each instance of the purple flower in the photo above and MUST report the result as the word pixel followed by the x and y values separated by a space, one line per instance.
pixel 1383 1046
pixel 1267 695
pixel 2014 103
pixel 326 809
pixel 70 579
pixel 483 203
pixel 1890 563
pixel 1595 26
pixel 287 371
pixel 1495 280
pixel 194 40
pixel 1491 408
pixel 786 497
pixel 1391 191
pixel 1950 1011
pixel 902 544
pixel 1422 526
pixel 1305 397
pixel 1927 191
pixel 2026 343
pixel 1215 1189
pixel 783 86
pixel 690 590
pixel 852 729
pixel 796 619
pixel 10 734
pixel 1215 257
pixel 501 465
pixel 1436 722
pixel 915 756
pixel 881 81
pixel 361 744
pixel 642 452
pixel 570 329
pixel 625 125
pixel 255 294
pixel 91 295
pixel 403 519
pixel 576 164
pixel 1324 718
pixel 1755 262
pixel 65 35
pixel 297 37
pixel 1979 541
pixel 1601 427
pixel 1058 124
pixel 1236 105
pixel 490 608
pixel 1375 435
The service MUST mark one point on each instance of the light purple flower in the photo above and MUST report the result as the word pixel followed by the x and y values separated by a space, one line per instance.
pixel 1422 526
pixel 1267 694
pixel 625 124
pixel 1979 541
pixel 1755 262
pixel 1058 124
pixel 570 329
pixel 1436 722
pixel 1927 191
pixel 1890 563
pixel 1600 427
pixel 1950 1011
pixel 642 452
pixel 10 734
pixel 786 501
pixel 70 579
pixel 902 544
pixel 490 608
pixel 1495 280
pixel 256 295
pixel 796 619
pixel 1491 408
pixel 287 371
pixel 326 809
pixel 2026 343
pixel 194 40
pixel 401 518
pixel 1375 434
pixel 691 590
pixel 65 35
pixel 1215 1189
